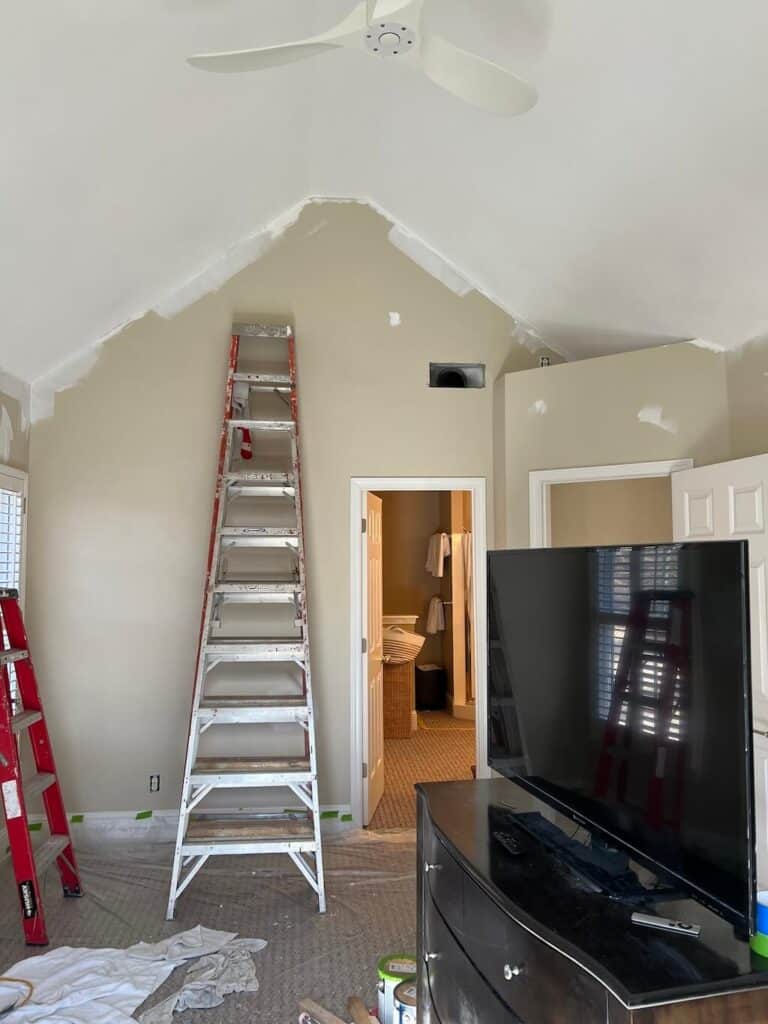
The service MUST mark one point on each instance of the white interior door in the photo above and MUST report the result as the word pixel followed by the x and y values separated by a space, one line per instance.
pixel 728 502
pixel 373 788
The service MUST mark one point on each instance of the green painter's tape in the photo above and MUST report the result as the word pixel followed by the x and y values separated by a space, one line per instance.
pixel 329 814
pixel 346 817
pixel 759 944
pixel 76 819
pixel 143 814
pixel 36 826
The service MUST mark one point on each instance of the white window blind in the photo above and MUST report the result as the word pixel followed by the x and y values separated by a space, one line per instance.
pixel 13 487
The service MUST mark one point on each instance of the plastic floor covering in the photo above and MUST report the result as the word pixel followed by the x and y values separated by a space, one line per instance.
pixel 371 888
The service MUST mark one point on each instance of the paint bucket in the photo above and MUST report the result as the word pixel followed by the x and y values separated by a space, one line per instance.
pixel 393 969
pixel 405 1003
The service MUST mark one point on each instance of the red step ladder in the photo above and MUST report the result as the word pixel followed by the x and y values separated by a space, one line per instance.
pixel 29 862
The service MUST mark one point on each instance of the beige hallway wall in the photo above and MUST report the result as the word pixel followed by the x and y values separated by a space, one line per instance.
pixel 595 413
pixel 122 479
pixel 611 512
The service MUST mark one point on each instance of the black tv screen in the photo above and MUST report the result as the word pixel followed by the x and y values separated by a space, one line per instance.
pixel 619 693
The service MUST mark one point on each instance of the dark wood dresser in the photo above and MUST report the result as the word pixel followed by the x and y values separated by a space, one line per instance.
pixel 521 939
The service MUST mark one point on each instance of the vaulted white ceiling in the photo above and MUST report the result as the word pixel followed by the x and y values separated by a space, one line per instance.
pixel 629 208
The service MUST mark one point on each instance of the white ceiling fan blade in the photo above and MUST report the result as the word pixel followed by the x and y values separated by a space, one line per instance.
pixel 474 79
pixel 285 53
pixel 255 60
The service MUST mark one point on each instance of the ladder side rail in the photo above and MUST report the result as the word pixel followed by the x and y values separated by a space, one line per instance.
pixel 42 749
pixel 309 736
pixel 16 821
pixel 214 544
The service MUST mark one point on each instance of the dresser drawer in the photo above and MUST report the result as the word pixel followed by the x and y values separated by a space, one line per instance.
pixel 457 993
pixel 443 877
pixel 539 984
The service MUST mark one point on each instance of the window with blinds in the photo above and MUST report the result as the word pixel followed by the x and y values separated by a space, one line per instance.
pixel 11 541
pixel 621 572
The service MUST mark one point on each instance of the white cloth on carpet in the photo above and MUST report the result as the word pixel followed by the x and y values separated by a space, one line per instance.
pixel 96 986
pixel 438 549
pixel 435 616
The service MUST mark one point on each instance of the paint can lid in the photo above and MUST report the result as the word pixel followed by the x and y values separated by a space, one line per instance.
pixel 396 966
pixel 405 993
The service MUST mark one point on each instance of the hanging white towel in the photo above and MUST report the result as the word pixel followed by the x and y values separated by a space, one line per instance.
pixel 438 550
pixel 435 616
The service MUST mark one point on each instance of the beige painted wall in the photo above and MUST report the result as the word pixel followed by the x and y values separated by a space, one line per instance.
pixel 747 371
pixel 611 512
pixel 409 520
pixel 14 402
pixel 122 479
pixel 586 414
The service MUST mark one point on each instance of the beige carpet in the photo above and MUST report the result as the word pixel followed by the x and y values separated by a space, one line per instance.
pixel 442 748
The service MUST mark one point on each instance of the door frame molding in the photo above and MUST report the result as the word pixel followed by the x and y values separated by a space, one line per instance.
pixel 540 482
pixel 359 486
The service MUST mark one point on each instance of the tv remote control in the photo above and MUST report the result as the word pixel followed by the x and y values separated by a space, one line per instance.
pixel 666 924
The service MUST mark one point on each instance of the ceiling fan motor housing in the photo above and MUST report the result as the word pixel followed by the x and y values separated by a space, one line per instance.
pixel 389 38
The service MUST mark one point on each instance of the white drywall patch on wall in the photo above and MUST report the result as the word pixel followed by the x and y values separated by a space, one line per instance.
pixel 710 346
pixel 20 390
pixel 66 375
pixel 428 259
pixel 6 434
pixel 526 336
pixel 538 408
pixel 654 416
pixel 395 319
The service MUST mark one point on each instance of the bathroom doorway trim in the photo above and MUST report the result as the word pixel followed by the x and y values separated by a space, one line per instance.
pixel 359 487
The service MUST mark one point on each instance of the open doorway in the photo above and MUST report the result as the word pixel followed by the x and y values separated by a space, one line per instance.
pixel 417 656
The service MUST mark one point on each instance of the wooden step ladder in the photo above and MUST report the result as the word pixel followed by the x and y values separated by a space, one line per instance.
pixel 258 460
pixel 30 859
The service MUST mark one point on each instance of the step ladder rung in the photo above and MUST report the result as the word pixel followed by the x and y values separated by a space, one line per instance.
pixel 12 654
pixel 232 709
pixel 256 476
pixel 231 588
pixel 253 330
pixel 270 381
pixel 248 835
pixel 247 424
pixel 49 851
pixel 37 784
pixel 239 772
pixel 24 719
pixel 256 490
pixel 259 536
pixel 263 649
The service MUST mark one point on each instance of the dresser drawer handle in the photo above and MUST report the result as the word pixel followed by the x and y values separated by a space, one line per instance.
pixel 431 956
pixel 431 867
pixel 515 971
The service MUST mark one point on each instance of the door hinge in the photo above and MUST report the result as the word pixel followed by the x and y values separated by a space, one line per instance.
pixel 364 527
pixel 365 770
pixel 365 646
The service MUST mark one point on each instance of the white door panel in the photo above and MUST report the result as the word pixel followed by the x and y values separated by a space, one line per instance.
pixel 728 502
pixel 374 784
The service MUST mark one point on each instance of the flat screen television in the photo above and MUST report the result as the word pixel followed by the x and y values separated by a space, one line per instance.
pixel 619 694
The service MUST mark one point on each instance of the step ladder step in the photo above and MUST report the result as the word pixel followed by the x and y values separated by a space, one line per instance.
pixel 248 330
pixel 47 852
pixel 263 649
pixel 258 490
pixel 244 424
pixel 12 654
pixel 259 476
pixel 233 709
pixel 259 536
pixel 243 836
pixel 250 771
pixel 24 719
pixel 246 588
pixel 37 784
pixel 264 381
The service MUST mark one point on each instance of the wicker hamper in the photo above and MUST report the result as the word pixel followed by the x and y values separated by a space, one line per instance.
pixel 399 700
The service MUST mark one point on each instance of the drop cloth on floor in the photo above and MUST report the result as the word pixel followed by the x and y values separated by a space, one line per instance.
pixel 105 986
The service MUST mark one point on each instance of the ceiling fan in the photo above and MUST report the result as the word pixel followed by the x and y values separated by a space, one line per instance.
pixel 391 28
